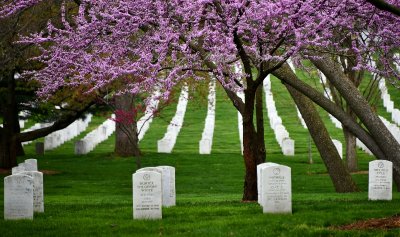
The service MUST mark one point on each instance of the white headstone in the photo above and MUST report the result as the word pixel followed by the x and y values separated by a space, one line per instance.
pixel 17 169
pixel 155 169
pixel 288 147
pixel 277 189
pixel 164 146
pixel 168 185
pixel 147 195
pixel 259 179
pixel 390 106
pixel 205 146
pixel 380 180
pixel 81 147
pixel 31 164
pixel 38 197
pixel 18 197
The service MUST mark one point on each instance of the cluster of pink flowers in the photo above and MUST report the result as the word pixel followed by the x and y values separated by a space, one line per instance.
pixel 148 44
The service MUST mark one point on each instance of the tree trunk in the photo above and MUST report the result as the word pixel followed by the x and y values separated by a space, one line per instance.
pixel 318 98
pixel 8 152
pixel 341 178
pixel 363 110
pixel 250 148
pixel 126 137
pixel 260 125
pixel 351 152
pixel 333 109
pixel 8 143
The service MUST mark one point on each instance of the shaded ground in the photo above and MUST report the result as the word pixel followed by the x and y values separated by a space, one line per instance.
pixel 380 223
pixel 48 172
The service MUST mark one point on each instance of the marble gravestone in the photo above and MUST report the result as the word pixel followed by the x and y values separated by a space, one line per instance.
pixel 259 179
pixel 380 180
pixel 155 169
pixel 18 197
pixel 168 185
pixel 18 169
pixel 80 147
pixel 147 195
pixel 31 165
pixel 276 189
pixel 38 197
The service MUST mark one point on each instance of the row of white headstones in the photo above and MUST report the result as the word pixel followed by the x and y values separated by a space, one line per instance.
pixel 23 191
pixel 95 137
pixel 274 185
pixel 281 134
pixel 166 144
pixel 154 188
pixel 57 138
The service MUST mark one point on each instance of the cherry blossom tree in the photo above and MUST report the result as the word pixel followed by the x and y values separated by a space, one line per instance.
pixel 164 42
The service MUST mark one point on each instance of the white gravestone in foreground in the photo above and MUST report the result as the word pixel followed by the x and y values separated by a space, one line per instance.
pixel 276 189
pixel 38 197
pixel 18 197
pixel 168 185
pixel 380 180
pixel 147 195
pixel 259 179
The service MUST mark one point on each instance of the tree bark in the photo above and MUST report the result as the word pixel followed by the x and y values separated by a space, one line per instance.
pixel 8 152
pixel 126 135
pixel 340 176
pixel 250 148
pixel 330 107
pixel 260 125
pixel 363 110
pixel 351 152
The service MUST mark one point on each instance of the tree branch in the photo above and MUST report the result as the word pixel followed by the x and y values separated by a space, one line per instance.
pixel 384 6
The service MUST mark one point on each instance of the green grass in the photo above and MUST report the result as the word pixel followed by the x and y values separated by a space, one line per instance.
pixel 92 194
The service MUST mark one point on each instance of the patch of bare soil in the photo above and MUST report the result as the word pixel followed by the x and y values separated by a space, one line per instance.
pixel 47 172
pixel 50 172
pixel 380 223
pixel 326 173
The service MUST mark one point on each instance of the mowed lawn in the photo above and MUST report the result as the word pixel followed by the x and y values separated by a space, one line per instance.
pixel 91 195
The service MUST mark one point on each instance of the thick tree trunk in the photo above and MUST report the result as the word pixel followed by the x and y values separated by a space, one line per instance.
pixel 363 110
pixel 341 178
pixel 126 137
pixel 8 143
pixel 8 151
pixel 260 125
pixel 250 148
